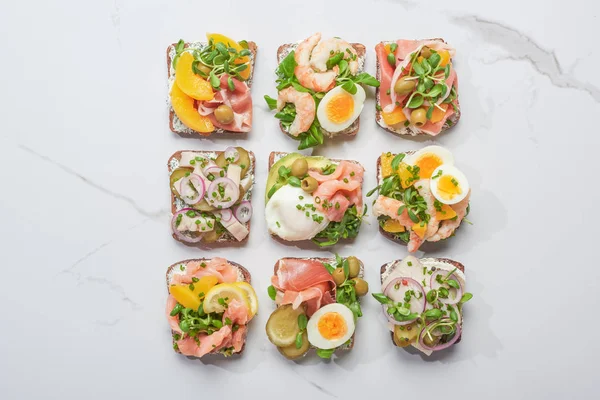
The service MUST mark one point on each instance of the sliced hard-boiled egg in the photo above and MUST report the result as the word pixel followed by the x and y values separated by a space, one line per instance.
pixel 428 159
pixel 338 109
pixel 331 326
pixel 448 184
pixel 292 215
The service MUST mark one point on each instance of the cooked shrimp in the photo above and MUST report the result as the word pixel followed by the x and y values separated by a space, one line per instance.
pixel 388 206
pixel 324 50
pixel 449 226
pixel 307 76
pixel 425 191
pixel 305 109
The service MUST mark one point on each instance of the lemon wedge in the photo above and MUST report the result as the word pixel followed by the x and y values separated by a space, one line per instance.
pixel 217 298
pixel 251 295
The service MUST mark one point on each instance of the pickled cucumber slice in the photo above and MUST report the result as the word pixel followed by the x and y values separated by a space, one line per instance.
pixel 176 175
pixel 203 205
pixel 282 326
pixel 291 352
pixel 211 236
pixel 243 161
pixel 405 335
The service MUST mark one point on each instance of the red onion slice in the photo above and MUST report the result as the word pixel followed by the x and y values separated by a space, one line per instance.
pixel 224 214
pixel 188 194
pixel 396 290
pixel 443 345
pixel 228 196
pixel 454 295
pixel 231 154
pixel 243 212
pixel 208 165
pixel 180 235
pixel 215 171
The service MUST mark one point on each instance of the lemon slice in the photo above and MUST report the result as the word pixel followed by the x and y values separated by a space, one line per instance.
pixel 217 298
pixel 251 294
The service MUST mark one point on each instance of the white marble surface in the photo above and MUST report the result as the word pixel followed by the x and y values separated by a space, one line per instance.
pixel 84 209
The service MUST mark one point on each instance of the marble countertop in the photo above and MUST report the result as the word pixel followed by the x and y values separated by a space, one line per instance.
pixel 85 206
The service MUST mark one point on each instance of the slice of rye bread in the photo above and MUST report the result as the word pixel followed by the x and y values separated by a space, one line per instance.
pixel 173 163
pixel 276 156
pixel 453 263
pixel 285 49
pixel 175 123
pixel 404 130
pixel 326 260
pixel 243 276
pixel 389 235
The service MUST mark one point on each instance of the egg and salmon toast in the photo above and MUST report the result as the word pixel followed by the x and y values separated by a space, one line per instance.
pixel 320 89
pixel 418 94
pixel 209 86
pixel 422 197
pixel 313 198
pixel 209 306
pixel 317 305
pixel 211 193
pixel 423 301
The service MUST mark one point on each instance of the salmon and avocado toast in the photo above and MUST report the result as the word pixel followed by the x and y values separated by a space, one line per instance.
pixel 313 198
pixel 318 305
pixel 209 86
pixel 209 306
pixel 418 94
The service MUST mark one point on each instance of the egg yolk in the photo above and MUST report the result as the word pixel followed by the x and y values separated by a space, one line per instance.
pixel 332 326
pixel 448 187
pixel 340 108
pixel 427 163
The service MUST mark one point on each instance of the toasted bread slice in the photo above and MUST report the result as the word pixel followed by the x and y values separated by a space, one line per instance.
pixel 177 205
pixel 243 276
pixel 285 49
pixel 406 130
pixel 175 123
pixel 325 260
pixel 454 264
pixel 276 156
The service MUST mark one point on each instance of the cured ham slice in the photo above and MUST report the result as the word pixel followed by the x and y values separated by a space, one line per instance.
pixel 240 101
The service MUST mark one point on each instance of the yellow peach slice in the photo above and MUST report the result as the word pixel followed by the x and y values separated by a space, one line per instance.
pixel 218 38
pixel 183 105
pixel 191 84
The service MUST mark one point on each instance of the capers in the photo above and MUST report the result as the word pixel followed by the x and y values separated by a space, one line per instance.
pixel 300 168
pixel 338 276
pixel 361 286
pixel 353 266
pixel 404 86
pixel 224 114
pixel 309 184
pixel 426 52
pixel 418 117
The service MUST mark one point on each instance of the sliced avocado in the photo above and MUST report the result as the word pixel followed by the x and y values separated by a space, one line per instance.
pixel 314 162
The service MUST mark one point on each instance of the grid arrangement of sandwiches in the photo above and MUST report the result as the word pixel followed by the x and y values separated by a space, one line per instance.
pixel 421 196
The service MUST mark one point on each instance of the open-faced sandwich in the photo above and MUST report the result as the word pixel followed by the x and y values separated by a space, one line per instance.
pixel 209 306
pixel 317 304
pixel 319 89
pixel 313 198
pixel 210 195
pixel 423 197
pixel 423 302
pixel 209 86
pixel 419 88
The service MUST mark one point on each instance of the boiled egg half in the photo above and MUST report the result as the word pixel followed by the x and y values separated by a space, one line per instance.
pixel 338 109
pixel 286 214
pixel 331 326
pixel 448 184
pixel 428 159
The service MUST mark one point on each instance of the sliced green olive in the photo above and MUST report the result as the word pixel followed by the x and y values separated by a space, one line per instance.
pixel 418 117
pixel 426 52
pixel 404 86
pixel 243 160
pixel 300 168
pixel 291 352
pixel 177 174
pixel 361 286
pixel 353 266
pixel 338 276
pixel 405 335
pixel 224 114
pixel 309 184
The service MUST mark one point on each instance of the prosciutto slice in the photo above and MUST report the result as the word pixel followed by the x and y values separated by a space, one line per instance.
pixel 239 100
